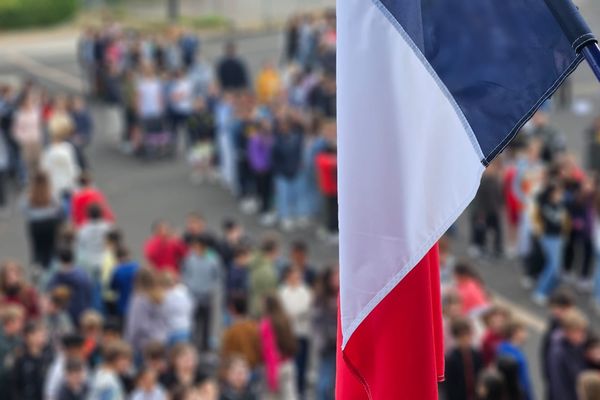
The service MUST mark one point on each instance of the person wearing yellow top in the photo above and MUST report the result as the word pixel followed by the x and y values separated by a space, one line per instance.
pixel 268 83
pixel 113 242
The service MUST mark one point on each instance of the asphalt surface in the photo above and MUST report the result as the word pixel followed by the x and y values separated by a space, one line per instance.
pixel 141 192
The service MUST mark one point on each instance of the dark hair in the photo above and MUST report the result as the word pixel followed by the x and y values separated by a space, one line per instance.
pixel 32 327
pixel 94 212
pixel 509 369
pixel 112 325
pixel 324 283
pixel 114 351
pixel 72 341
pixel 154 351
pixel 493 385
pixel 241 250
pixel 239 304
pixel 40 193
pixel 561 298
pixel 300 246
pixel 229 224
pixel 65 255
pixel 493 311
pixel 73 365
pixel 114 236
pixel 85 179
pixel 467 271
pixel 122 253
pixel 591 342
pixel 511 329
pixel 269 244
pixel 201 240
pixel 284 336
pixel 460 327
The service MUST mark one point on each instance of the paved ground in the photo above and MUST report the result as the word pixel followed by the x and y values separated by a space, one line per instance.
pixel 141 192
pixel 241 12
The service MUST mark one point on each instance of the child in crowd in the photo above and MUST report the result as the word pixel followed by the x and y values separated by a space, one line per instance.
pixel 238 281
pixel 83 121
pixel 461 381
pixel 12 319
pixel 495 320
pixel 263 273
pixel 470 288
pixel 515 334
pixel 567 349
pixel 91 327
pixel 56 319
pixel 71 349
pixel 297 301
pixel 241 338
pixel 106 383
pixel 75 385
pixel 122 280
pixel 179 308
pixel 201 273
pixel 91 241
pixel 32 363
pixel 147 387
pixel 237 380
pixel 201 136
pixel 77 281
pixel 112 242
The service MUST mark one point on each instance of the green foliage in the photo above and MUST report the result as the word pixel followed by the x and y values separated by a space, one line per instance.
pixel 207 22
pixel 33 13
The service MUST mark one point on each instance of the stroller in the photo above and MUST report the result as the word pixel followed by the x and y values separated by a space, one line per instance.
pixel 158 142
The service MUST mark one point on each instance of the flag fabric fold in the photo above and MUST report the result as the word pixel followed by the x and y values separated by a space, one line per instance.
pixel 429 92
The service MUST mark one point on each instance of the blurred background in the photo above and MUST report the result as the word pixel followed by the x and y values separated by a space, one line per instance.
pixel 168 212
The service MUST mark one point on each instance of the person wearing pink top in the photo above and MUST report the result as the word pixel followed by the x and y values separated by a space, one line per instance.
pixel 27 131
pixel 278 346
pixel 471 291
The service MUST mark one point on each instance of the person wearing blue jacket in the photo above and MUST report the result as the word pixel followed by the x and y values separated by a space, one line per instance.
pixel 516 335
pixel 77 281
pixel 287 165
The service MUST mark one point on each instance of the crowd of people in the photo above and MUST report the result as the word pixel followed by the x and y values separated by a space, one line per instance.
pixel 270 140
pixel 539 208
pixel 203 314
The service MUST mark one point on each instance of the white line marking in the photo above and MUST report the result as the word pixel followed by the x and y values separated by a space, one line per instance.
pixel 528 318
pixel 53 74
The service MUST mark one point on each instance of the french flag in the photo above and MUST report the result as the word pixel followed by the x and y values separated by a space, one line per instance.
pixel 429 92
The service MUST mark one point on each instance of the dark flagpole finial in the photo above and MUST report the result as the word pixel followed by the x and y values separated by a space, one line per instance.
pixel 577 31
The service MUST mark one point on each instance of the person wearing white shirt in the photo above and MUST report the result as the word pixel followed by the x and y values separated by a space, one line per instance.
pixel 59 160
pixel 296 298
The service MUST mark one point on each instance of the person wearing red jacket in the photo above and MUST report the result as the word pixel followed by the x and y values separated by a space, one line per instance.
pixel 327 175
pixel 84 197
pixel 164 250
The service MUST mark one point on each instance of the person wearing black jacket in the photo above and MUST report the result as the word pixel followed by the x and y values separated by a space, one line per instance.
pixel 552 217
pixel 559 304
pixel 232 72
pixel 31 364
pixel 567 356
pixel 287 162
pixel 463 363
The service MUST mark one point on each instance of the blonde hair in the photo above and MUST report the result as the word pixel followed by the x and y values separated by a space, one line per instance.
pixel 91 319
pixel 60 127
pixel 588 385
pixel 11 313
pixel 574 320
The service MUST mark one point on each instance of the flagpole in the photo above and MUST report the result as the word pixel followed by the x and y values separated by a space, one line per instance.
pixel 591 53
pixel 577 31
